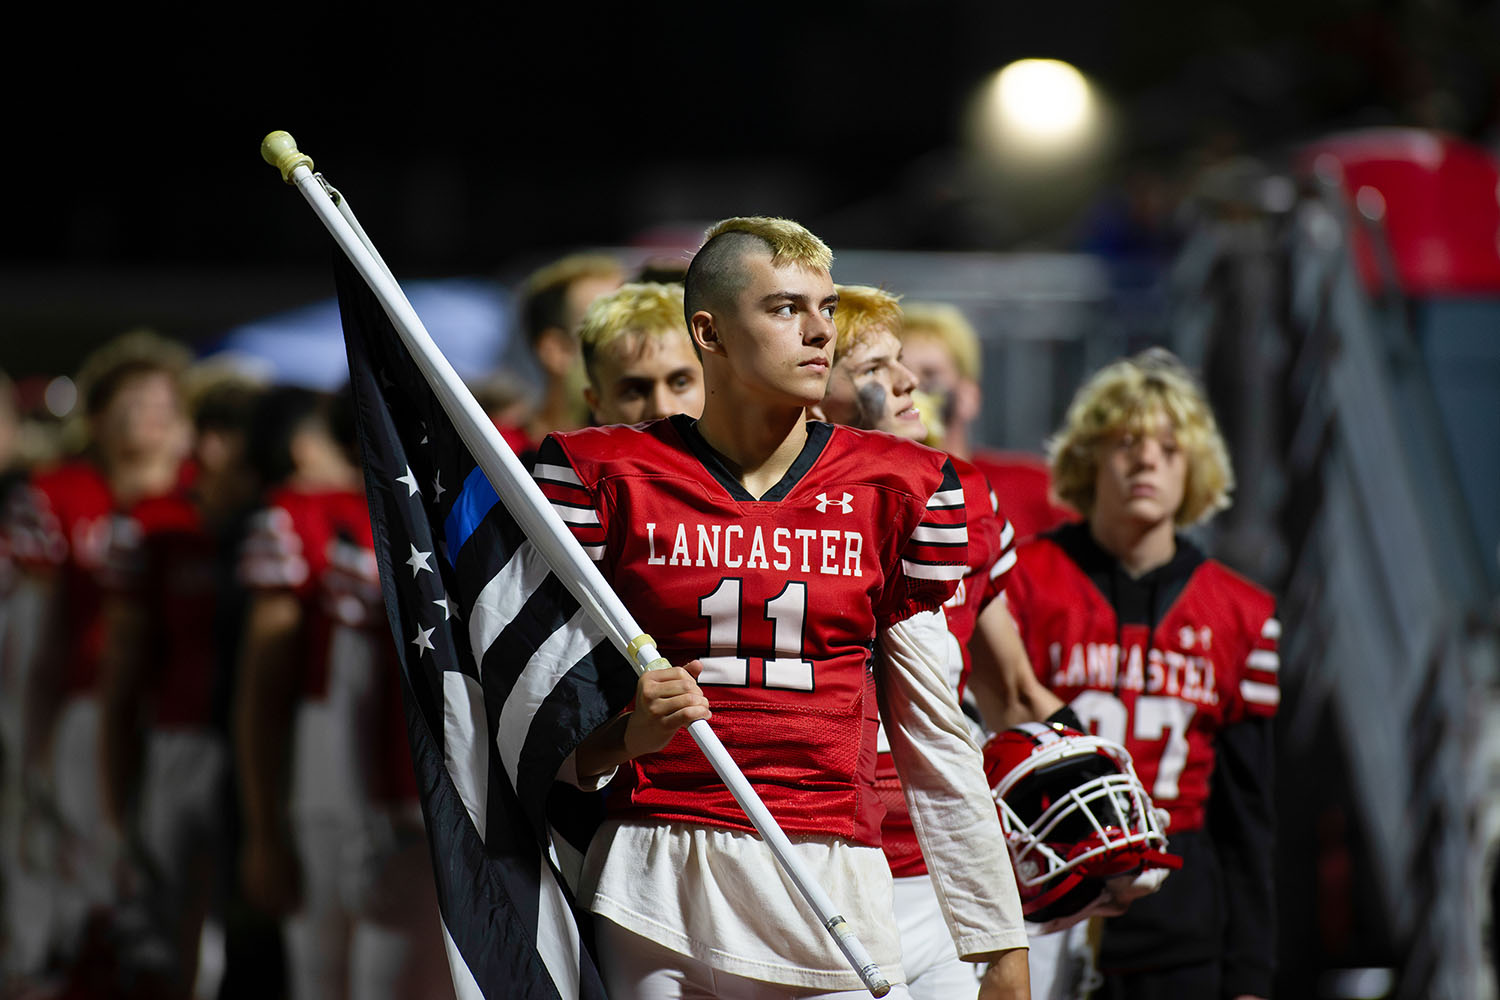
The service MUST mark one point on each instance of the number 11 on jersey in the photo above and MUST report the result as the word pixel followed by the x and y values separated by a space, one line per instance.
pixel 726 662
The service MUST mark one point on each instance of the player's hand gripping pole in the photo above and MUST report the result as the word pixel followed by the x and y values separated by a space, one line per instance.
pixel 543 527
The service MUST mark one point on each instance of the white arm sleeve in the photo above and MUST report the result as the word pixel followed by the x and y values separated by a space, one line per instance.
pixel 942 775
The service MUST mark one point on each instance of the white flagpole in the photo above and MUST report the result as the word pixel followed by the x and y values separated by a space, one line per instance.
pixel 524 499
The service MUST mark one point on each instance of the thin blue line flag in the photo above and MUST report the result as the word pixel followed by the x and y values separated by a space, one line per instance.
pixel 502 675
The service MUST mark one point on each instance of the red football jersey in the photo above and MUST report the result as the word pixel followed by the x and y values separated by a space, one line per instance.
pixel 991 555
pixel 293 545
pixel 62 523
pixel 320 546
pixel 781 597
pixel 173 575
pixel 1159 664
pixel 1022 483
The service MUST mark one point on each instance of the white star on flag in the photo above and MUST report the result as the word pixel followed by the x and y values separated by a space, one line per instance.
pixel 437 487
pixel 418 561
pixel 423 641
pixel 449 609
pixel 410 481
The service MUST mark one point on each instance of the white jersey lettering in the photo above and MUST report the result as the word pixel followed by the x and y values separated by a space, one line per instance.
pixel 783 559
pixel 680 549
pixel 1167 672
pixel 711 547
pixel 757 558
pixel 806 535
pixel 735 546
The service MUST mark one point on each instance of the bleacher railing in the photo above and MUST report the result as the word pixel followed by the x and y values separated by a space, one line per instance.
pixel 1351 501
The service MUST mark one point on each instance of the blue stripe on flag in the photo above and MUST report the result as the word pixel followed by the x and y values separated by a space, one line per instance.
pixel 475 500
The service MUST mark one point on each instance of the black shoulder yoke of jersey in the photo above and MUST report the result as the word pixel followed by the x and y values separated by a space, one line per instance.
pixel 1141 600
pixel 818 435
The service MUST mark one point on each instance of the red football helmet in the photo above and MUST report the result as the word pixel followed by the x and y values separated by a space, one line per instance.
pixel 1075 817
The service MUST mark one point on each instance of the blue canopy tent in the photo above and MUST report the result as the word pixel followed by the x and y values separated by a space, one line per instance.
pixel 470 319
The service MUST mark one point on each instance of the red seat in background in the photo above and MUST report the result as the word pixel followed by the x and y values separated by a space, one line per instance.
pixel 1437 198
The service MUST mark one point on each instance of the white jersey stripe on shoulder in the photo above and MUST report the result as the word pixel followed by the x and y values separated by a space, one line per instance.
pixel 1007 534
pixel 576 515
pixel 557 474
pixel 946 499
pixel 1263 659
pixel 1260 694
pixel 928 571
pixel 1271 629
pixel 945 533
pixel 1003 564
pixel 594 552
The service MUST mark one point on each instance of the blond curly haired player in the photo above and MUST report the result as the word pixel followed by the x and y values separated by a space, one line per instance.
pixel 1172 655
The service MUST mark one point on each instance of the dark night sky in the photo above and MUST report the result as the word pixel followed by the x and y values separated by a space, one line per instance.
pixel 542 127
pixel 473 140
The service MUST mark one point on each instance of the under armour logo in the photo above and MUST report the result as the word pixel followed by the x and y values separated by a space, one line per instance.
pixel 843 505
pixel 1190 637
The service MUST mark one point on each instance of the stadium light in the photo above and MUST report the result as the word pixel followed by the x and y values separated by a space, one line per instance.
pixel 1037 109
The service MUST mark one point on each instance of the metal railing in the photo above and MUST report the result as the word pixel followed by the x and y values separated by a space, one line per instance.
pixel 1352 501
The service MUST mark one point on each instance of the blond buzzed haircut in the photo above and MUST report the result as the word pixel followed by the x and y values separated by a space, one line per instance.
pixel 1136 395
pixel 864 310
pixel 642 309
pixel 950 327
pixel 789 242
pixel 544 297
pixel 715 274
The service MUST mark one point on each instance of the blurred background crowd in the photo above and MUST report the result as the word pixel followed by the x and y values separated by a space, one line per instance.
pixel 1301 200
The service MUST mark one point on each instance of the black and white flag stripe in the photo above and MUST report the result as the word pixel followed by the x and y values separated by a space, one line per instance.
pixel 502 675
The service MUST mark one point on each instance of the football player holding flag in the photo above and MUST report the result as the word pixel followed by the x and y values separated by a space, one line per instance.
pixel 797 570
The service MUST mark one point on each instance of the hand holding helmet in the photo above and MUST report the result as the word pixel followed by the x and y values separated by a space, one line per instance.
pixel 1084 836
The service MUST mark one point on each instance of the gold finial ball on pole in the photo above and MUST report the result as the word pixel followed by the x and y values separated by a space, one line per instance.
pixel 279 149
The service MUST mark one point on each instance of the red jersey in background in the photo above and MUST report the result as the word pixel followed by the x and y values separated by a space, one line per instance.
pixel 171 567
pixel 1179 665
pixel 61 523
pixel 1022 483
pixel 1160 664
pixel 319 545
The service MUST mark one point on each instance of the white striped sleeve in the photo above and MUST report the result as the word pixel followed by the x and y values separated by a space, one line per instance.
pixel 1260 682
pixel 571 499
